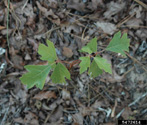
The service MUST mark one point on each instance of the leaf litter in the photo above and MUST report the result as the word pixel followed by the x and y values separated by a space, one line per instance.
pixel 70 25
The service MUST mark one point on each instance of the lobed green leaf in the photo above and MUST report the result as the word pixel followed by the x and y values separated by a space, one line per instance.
pixel 59 74
pixel 91 47
pixel 94 70
pixel 119 44
pixel 84 64
pixel 47 53
pixel 36 75
pixel 102 64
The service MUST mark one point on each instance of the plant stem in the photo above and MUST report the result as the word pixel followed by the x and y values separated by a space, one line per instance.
pixel 8 23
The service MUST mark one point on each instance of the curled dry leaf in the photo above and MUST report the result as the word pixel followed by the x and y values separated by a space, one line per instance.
pixel 45 95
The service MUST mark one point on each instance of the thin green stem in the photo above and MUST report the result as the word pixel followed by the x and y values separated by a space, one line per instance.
pixel 8 23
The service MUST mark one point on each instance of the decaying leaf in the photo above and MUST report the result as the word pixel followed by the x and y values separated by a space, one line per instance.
pixel 114 8
pixel 57 114
pixel 66 94
pixel 67 52
pixel 2 27
pixel 45 95
pixel 108 28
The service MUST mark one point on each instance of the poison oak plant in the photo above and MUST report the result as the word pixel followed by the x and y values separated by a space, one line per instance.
pixel 93 63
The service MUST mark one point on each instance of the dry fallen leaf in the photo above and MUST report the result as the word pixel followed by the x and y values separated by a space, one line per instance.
pixel 75 4
pixel 2 27
pixel 57 114
pixel 67 52
pixel 65 94
pixel 30 119
pixel 114 8
pixel 49 14
pixel 76 29
pixel 45 95
pixel 108 28
pixel 78 119
pixel 127 113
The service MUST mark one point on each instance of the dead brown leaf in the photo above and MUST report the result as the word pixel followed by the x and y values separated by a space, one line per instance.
pixel 2 27
pixel 77 5
pixel 57 114
pixel 127 113
pixel 67 52
pixel 78 119
pixel 49 14
pixel 45 95
pixel 72 29
pixel 114 77
pixel 53 4
pixel 97 104
pixel 66 94
pixel 30 119
pixel 114 8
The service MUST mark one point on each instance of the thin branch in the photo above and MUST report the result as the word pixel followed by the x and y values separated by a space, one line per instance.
pixel 8 23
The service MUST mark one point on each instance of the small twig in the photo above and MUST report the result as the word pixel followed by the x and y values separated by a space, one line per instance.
pixel 128 71
pixel 84 32
pixel 99 52
pixel 49 115
pixel 135 26
pixel 25 4
pixel 8 23
pixel 133 103
pixel 98 94
pixel 141 3
pixel 135 60
pixel 125 20
pixel 5 116
pixel 51 30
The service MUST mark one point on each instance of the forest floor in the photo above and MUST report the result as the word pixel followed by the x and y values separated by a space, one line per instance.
pixel 70 24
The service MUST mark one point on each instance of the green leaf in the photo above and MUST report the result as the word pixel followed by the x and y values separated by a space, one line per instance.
pixel 59 74
pixel 85 63
pixel 47 52
pixel 36 75
pixel 91 47
pixel 119 44
pixel 102 64
pixel 94 70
